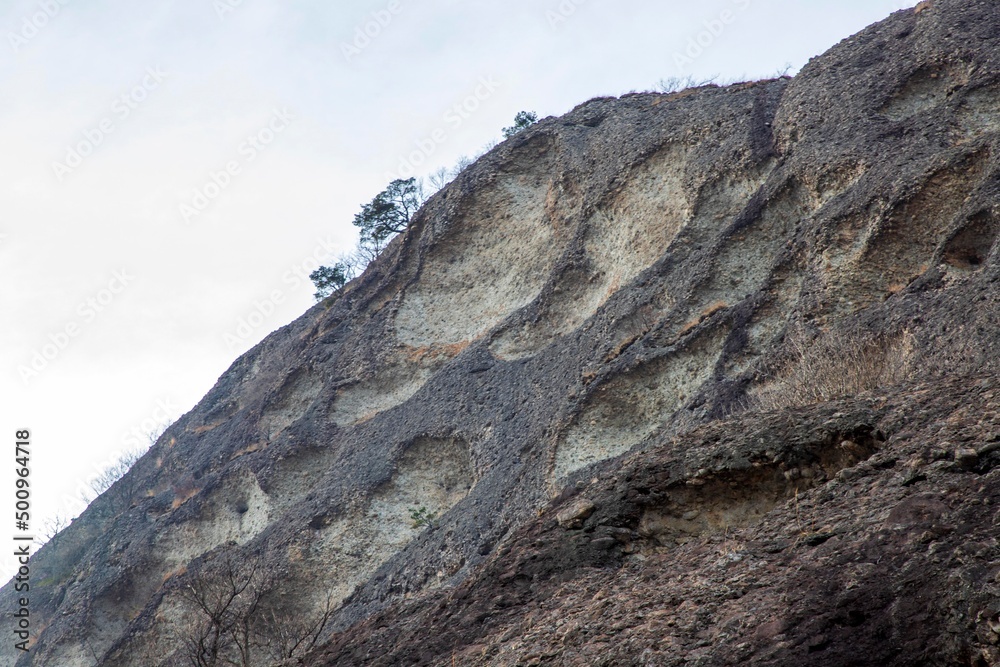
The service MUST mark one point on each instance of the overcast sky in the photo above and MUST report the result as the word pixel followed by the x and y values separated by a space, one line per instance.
pixel 169 168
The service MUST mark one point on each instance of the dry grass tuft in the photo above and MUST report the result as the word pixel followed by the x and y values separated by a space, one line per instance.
pixel 836 365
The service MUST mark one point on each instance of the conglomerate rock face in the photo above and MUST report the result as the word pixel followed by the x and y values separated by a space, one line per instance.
pixel 699 378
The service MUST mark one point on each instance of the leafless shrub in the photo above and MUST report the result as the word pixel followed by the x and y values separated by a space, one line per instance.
pixel 50 528
pixel 463 163
pixel 675 84
pixel 783 71
pixel 837 365
pixel 230 622
pixel 105 479
pixel 440 178
pixel 121 488
pixel 286 637
pixel 225 597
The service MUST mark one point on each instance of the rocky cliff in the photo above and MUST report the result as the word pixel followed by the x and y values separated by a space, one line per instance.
pixel 704 378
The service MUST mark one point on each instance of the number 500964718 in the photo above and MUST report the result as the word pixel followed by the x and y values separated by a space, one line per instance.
pixel 22 490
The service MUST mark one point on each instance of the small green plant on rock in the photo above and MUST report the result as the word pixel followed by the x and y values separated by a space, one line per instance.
pixel 522 121
pixel 422 517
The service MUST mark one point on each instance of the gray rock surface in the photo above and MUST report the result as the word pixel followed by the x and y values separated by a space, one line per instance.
pixel 616 295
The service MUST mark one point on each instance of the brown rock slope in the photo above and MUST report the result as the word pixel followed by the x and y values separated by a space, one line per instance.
pixel 857 532
pixel 744 336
